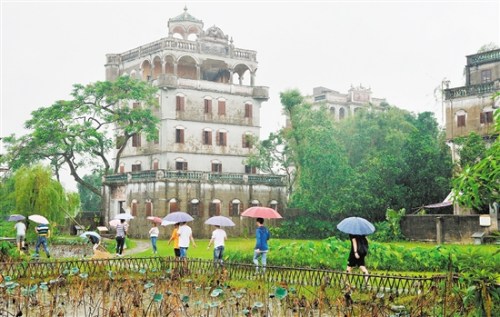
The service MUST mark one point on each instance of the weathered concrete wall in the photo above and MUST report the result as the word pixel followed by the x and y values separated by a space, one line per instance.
pixel 456 228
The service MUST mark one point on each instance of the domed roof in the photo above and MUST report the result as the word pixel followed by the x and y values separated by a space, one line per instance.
pixel 185 17
pixel 216 33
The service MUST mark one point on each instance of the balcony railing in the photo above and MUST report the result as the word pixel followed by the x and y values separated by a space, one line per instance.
pixel 165 175
pixel 472 90
pixel 187 46
pixel 483 58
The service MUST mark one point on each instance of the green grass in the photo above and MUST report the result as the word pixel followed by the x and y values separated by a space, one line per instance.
pixel 200 251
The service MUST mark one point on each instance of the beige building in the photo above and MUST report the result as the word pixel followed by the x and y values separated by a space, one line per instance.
pixel 470 108
pixel 344 105
pixel 209 113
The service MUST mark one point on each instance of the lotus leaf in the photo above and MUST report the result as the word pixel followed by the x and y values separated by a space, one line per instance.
pixel 149 285
pixel 157 297
pixel 142 271
pixel 185 298
pixel 280 292
pixel 84 275
pixel 75 270
pixel 258 305
pixel 216 292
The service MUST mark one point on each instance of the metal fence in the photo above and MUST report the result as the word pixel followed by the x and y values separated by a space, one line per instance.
pixel 233 271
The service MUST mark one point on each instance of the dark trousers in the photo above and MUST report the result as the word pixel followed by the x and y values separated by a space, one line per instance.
pixel 120 242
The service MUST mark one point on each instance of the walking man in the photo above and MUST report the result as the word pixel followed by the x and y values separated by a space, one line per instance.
pixel 261 248
pixel 43 232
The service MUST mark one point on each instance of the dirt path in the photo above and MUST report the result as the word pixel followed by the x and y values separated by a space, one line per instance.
pixel 140 246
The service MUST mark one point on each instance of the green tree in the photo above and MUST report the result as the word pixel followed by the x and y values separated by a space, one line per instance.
pixel 80 133
pixel 362 165
pixel 478 184
pixel 35 192
pixel 90 201
pixel 273 156
pixel 472 149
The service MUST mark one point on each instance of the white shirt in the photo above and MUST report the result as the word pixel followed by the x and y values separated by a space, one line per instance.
pixel 21 228
pixel 218 236
pixel 154 232
pixel 185 233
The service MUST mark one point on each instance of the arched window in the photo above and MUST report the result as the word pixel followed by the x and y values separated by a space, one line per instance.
pixel 273 204
pixel 173 205
pixel 181 164
pixel 133 208
pixel 254 203
pixel 235 208
pixel 341 113
pixel 214 208
pixel 149 208
pixel 194 207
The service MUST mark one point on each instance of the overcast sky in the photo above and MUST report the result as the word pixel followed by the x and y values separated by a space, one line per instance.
pixel 401 49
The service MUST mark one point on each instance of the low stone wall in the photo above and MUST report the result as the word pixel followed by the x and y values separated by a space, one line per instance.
pixel 455 228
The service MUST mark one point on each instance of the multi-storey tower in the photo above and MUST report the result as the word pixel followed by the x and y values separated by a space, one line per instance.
pixel 209 114
pixel 470 108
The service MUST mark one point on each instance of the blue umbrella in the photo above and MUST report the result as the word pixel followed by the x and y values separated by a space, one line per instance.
pixel 90 233
pixel 16 217
pixel 356 226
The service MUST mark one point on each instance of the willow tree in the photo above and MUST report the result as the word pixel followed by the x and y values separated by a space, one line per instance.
pixel 81 133
pixel 36 192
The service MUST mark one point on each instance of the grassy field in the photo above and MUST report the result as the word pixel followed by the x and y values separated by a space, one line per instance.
pixel 247 245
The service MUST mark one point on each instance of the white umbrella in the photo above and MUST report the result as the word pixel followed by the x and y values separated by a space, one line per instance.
pixel 16 217
pixel 90 233
pixel 39 219
pixel 167 223
pixel 220 221
pixel 124 216
pixel 178 216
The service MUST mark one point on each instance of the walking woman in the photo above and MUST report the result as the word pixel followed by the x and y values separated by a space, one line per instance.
pixel 121 233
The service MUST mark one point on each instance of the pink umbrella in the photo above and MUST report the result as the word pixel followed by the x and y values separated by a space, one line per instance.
pixel 154 219
pixel 261 212
pixel 114 222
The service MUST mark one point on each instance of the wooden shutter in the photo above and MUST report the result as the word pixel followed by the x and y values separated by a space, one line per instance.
pixel 222 107
pixel 134 209
pixel 149 208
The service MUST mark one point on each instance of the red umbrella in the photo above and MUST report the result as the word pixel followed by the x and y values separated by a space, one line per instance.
pixel 154 219
pixel 261 212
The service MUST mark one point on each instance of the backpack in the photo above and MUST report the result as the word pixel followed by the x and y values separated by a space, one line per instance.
pixel 362 246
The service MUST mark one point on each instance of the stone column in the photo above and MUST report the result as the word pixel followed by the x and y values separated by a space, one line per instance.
pixel 198 72
pixel 252 78
pixel 439 230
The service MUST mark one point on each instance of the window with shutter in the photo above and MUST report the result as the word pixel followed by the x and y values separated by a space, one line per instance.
pixel 208 106
pixel 222 107
pixel 179 135
pixel 461 120
pixel 133 209
pixel 207 137
pixel 136 167
pixel 179 103
pixel 136 140
pixel 149 209
pixel 217 167
pixel 248 110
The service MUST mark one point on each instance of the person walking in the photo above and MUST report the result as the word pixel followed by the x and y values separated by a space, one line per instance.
pixel 175 238
pixel 20 234
pixel 153 235
pixel 121 233
pixel 43 232
pixel 262 235
pixel 359 250
pixel 185 237
pixel 218 239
